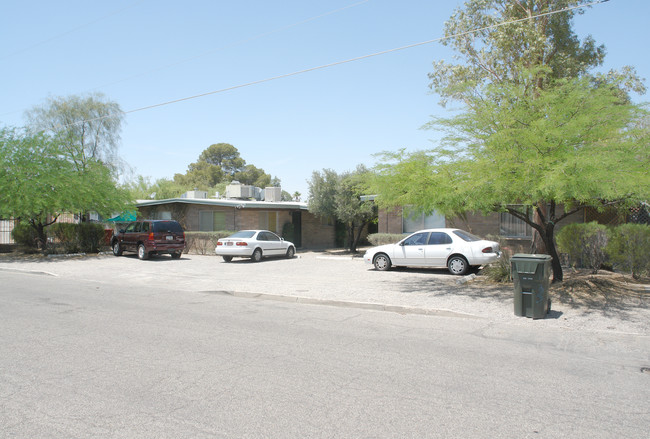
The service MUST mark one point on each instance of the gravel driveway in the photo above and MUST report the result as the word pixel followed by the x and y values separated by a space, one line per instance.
pixel 314 277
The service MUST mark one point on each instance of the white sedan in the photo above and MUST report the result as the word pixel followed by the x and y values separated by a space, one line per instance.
pixel 254 244
pixel 453 249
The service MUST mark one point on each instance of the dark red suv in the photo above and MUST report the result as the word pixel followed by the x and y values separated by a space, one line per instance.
pixel 149 237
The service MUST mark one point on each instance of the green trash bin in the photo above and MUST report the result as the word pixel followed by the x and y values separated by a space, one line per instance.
pixel 531 274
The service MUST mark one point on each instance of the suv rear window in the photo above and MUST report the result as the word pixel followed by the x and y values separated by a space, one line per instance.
pixel 167 226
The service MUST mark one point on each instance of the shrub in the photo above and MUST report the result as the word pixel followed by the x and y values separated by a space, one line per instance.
pixel 584 244
pixel 64 238
pixel 384 238
pixel 499 271
pixel 629 248
pixel 203 243
pixel 288 232
pixel 25 235
pixel 91 237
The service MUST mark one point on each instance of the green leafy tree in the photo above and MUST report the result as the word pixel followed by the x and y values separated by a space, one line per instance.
pixel 225 156
pixel 339 196
pixel 38 182
pixel 88 128
pixel 573 145
pixel 537 128
pixel 253 176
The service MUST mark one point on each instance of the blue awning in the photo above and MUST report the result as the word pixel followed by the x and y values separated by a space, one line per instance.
pixel 124 217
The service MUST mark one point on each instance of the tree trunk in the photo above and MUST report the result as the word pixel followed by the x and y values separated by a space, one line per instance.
pixel 549 243
pixel 539 242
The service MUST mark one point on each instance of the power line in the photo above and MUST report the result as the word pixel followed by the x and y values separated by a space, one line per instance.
pixel 68 32
pixel 324 66
pixel 234 44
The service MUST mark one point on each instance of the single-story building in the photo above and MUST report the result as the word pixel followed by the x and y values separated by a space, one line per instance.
pixel 196 212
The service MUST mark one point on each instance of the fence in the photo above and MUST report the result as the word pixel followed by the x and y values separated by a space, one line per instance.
pixel 6 226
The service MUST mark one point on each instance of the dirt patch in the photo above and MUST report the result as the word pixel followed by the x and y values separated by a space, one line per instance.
pixel 605 289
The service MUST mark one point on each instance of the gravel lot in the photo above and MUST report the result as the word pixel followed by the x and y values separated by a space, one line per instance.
pixel 318 277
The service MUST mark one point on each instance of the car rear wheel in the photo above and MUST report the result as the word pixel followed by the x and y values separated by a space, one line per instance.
pixel 117 249
pixel 457 265
pixel 176 255
pixel 142 252
pixel 227 258
pixel 290 252
pixel 257 255
pixel 382 262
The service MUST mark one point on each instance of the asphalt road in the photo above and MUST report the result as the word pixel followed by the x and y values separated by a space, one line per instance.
pixel 84 357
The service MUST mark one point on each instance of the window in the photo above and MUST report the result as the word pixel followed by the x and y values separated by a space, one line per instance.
pixel 211 221
pixel 438 238
pixel 512 227
pixel 417 239
pixel 162 215
pixel 268 221
pixel 418 221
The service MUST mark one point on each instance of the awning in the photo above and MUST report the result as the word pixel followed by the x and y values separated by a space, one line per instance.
pixel 124 217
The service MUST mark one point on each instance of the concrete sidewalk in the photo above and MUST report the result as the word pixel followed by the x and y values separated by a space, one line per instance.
pixel 326 279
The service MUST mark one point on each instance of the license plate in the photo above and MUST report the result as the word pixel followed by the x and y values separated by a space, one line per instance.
pixel 169 238
pixel 228 243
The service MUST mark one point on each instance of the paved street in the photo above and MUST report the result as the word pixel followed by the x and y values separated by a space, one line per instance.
pixel 118 356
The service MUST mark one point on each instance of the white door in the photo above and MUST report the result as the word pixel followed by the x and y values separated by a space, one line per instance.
pixel 438 249
pixel 411 250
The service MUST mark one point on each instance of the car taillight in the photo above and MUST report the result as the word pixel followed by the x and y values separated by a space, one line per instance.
pixel 488 250
pixel 242 244
pixel 151 236
pixel 219 243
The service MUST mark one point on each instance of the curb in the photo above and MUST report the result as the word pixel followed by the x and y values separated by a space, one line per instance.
pixel 344 304
pixel 20 270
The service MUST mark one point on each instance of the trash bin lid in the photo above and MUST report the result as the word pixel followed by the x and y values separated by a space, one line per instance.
pixel 531 257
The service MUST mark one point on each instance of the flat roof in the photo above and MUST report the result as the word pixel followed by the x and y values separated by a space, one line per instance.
pixel 226 202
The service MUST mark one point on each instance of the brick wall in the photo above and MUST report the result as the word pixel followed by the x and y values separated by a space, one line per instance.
pixel 316 235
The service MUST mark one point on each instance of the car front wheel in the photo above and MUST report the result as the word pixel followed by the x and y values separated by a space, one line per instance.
pixel 257 255
pixel 457 265
pixel 142 252
pixel 382 262
pixel 290 252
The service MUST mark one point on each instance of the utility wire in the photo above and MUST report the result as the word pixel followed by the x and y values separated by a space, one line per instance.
pixel 56 37
pixel 324 66
pixel 234 44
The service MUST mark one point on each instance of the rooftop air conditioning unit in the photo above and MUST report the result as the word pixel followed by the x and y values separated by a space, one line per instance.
pixel 273 194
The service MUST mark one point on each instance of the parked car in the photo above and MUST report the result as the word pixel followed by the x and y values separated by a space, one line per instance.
pixel 254 244
pixel 149 237
pixel 454 249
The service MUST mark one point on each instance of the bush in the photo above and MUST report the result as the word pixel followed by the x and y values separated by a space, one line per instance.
pixel 499 271
pixel 91 237
pixel 629 248
pixel 288 232
pixel 203 243
pixel 384 238
pixel 25 235
pixel 584 244
pixel 74 238
pixel 64 238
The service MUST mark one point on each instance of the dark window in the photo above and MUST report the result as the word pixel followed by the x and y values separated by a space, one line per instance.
pixel 466 236
pixel 417 239
pixel 243 234
pixel 167 226
pixel 438 238
pixel 131 228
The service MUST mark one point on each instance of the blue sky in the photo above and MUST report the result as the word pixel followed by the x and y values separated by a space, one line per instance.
pixel 146 52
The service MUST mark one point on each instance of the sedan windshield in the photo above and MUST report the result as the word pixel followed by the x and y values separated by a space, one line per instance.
pixel 243 234
pixel 466 236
